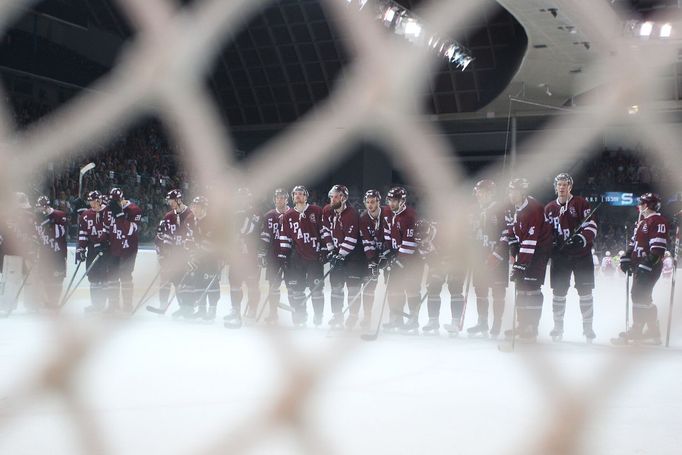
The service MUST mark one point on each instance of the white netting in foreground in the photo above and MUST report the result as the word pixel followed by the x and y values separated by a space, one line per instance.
pixel 162 73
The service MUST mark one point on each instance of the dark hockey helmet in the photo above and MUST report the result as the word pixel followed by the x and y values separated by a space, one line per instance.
pixel 200 201
pixel 94 196
pixel 301 188
pixel 105 199
pixel 372 193
pixel 518 184
pixel 651 200
pixel 397 192
pixel 485 185
pixel 280 192
pixel 423 230
pixel 43 201
pixel 563 177
pixel 115 194
pixel 174 194
pixel 338 189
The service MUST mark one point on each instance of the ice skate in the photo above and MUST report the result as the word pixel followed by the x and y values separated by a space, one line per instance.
pixel 185 311
pixel 527 334
pixel 351 322
pixel 317 319
pixel 411 327
pixel 209 315
pixel 432 328
pixel 233 320
pixel 394 324
pixel 336 322
pixel 495 330
pixel 557 332
pixel 272 318
pixel 632 335
pixel 452 328
pixel 480 330
pixel 589 334
pixel 93 309
pixel 652 334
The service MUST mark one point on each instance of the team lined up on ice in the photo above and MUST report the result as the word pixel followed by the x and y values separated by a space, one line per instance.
pixel 514 234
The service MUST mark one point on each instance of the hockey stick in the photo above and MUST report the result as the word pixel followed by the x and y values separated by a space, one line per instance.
pixel 468 278
pixel 577 230
pixel 68 288
pixel 144 297
pixel 163 309
pixel 627 300
pixel 248 304
pixel 672 285
pixel 208 288
pixel 375 335
pixel 67 297
pixel 84 170
pixel 267 297
pixel 510 347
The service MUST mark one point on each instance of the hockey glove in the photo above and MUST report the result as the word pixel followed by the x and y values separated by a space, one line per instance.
pixel 100 248
pixel 625 264
pixel 262 260
pixel 337 261
pixel 576 242
pixel 647 265
pixel 386 258
pixel 514 249
pixel 80 255
pixel 115 208
pixel 518 273
pixel 373 268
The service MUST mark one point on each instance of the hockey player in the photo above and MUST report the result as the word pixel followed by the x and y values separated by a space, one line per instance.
pixel 244 268
pixel 302 257
pixel 341 234
pixel 205 265
pixel 530 241
pixel 372 235
pixel 173 257
pixel 643 258
pixel 269 250
pixel 491 272
pixel 122 232
pixel 50 226
pixel 574 232
pixel 441 270
pixel 92 242
pixel 607 267
pixel 405 268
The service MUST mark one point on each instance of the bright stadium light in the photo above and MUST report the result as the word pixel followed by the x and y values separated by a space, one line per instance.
pixel 645 29
pixel 402 22
pixel 666 30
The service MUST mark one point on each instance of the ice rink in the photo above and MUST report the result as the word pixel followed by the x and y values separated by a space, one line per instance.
pixel 154 385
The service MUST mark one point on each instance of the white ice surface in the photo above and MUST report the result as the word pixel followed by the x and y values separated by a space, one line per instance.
pixel 157 386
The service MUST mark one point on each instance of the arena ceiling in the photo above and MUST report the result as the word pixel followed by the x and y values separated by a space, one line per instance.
pixel 289 57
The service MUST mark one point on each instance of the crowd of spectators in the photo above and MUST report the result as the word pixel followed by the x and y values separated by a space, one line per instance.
pixel 624 170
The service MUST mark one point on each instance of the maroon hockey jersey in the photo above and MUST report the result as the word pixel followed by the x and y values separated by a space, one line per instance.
pixel 372 234
pixel 399 231
pixel 491 230
pixel 91 228
pixel 302 232
pixel 122 231
pixel 171 233
pixel 269 233
pixel 51 232
pixel 341 231
pixel 530 230
pixel 569 218
pixel 649 238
